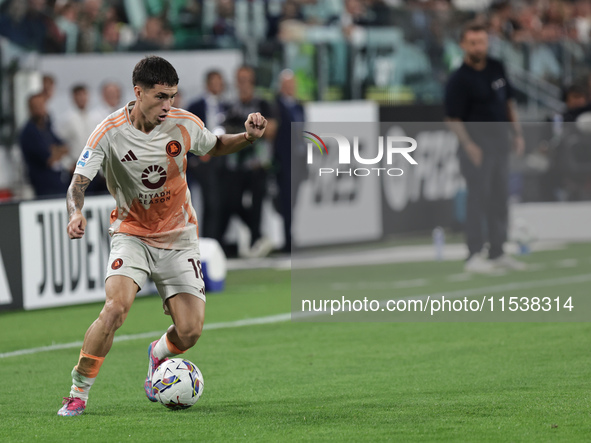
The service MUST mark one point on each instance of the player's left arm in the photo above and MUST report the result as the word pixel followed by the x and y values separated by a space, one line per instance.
pixel 519 142
pixel 255 126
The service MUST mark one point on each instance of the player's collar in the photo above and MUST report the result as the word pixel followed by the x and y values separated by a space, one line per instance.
pixel 136 131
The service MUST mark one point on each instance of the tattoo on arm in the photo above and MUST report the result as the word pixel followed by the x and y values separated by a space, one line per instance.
pixel 75 197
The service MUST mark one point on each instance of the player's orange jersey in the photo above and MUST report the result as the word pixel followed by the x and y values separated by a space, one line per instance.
pixel 145 174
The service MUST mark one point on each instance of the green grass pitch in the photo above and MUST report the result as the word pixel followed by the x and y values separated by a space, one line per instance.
pixel 314 381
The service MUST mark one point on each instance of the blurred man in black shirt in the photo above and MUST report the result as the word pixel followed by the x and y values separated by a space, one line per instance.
pixel 246 171
pixel 479 94
pixel 205 169
pixel 289 110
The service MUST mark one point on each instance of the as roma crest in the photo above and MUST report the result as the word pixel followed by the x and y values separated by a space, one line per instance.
pixel 173 148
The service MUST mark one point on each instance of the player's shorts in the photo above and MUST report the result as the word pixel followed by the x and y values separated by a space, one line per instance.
pixel 173 271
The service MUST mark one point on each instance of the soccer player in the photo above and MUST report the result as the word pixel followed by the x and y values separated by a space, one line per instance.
pixel 142 150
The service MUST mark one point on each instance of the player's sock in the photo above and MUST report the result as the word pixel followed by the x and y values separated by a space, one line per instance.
pixel 165 348
pixel 84 374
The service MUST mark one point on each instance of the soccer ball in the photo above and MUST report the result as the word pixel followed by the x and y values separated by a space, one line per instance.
pixel 177 383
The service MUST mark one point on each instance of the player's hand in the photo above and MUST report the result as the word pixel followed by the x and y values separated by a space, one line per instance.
pixel 519 145
pixel 255 125
pixel 77 225
pixel 474 153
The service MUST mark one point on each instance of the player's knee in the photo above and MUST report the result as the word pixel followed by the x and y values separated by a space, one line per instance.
pixel 190 334
pixel 114 314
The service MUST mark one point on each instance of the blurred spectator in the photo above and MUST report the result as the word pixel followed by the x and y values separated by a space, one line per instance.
pixel 90 20
pixel 562 145
pixel 109 37
pixel 210 108
pixel 205 170
pixel 77 125
pixel 154 37
pixel 48 86
pixel 288 111
pixel 353 16
pixel 224 28
pixel 24 23
pixel 43 151
pixel 67 22
pixel 544 64
pixel 582 19
pixel 111 98
pixel 289 26
pixel 246 171
pixel 179 99
pixel 576 101
pixel 575 159
pixel 479 91
pixel 502 21
pixel 281 11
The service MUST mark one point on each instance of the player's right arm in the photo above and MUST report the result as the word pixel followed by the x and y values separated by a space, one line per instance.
pixel 89 163
pixel 75 202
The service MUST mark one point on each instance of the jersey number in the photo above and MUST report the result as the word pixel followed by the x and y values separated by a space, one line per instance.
pixel 197 268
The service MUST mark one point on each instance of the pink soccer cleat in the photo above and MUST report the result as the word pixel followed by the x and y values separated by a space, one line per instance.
pixel 153 363
pixel 72 406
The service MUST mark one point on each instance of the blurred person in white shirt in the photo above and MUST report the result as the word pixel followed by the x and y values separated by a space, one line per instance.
pixel 77 125
pixel 111 98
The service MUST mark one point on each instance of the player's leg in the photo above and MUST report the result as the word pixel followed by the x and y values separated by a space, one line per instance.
pixel 188 314
pixel 120 294
pixel 127 272
pixel 179 279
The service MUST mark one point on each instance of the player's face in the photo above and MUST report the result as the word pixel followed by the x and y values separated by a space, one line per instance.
pixel 155 103
pixel 475 45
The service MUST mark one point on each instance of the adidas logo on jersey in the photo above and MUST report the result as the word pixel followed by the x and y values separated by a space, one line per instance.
pixel 129 157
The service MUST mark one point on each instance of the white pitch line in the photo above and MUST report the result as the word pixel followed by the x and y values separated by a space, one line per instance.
pixel 567 263
pixel 378 285
pixel 581 278
pixel 483 290
pixel 465 276
pixel 221 325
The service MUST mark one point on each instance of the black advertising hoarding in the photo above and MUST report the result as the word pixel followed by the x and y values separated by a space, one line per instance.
pixel 60 271
pixel 10 258
pixel 430 193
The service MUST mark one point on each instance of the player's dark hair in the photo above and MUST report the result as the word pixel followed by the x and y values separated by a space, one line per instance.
pixel 472 26
pixel 154 70
pixel 78 88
